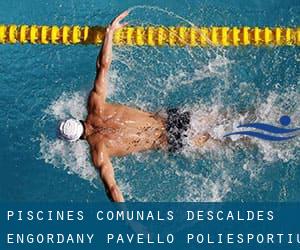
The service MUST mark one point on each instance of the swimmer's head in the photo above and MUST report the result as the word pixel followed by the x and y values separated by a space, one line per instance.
pixel 70 129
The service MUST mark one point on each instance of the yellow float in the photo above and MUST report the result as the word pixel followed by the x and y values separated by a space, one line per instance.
pixel 152 35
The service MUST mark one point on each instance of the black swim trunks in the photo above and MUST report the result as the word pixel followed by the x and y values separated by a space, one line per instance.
pixel 177 125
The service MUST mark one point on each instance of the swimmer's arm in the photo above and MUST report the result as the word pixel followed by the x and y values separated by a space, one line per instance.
pixel 105 56
pixel 103 164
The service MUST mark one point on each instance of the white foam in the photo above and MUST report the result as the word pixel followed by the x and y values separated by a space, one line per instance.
pixel 68 105
pixel 72 157
pixel 216 120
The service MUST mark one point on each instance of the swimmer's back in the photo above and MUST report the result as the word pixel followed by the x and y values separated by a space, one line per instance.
pixel 126 130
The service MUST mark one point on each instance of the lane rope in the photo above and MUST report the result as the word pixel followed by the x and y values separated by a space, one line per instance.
pixel 152 35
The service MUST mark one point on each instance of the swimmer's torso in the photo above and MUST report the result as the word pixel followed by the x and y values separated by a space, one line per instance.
pixel 124 130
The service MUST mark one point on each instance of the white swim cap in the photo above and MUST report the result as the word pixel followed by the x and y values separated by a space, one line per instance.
pixel 70 130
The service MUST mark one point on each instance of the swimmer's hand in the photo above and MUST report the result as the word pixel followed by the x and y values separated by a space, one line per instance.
pixel 115 24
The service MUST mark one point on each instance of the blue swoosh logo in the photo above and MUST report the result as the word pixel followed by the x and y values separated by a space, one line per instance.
pixel 284 121
pixel 262 136
pixel 269 128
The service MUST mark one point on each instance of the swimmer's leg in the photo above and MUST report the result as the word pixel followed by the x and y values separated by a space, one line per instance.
pixel 200 140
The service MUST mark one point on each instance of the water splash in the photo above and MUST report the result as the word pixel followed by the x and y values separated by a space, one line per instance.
pixel 210 84
pixel 73 158
pixel 192 185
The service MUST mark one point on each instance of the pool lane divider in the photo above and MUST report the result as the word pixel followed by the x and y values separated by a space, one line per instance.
pixel 152 35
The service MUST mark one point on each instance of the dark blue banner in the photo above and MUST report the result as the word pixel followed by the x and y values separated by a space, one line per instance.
pixel 150 225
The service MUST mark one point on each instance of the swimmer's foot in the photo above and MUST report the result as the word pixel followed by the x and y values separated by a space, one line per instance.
pixel 200 140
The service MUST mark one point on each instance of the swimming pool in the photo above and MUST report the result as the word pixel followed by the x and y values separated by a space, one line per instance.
pixel 42 84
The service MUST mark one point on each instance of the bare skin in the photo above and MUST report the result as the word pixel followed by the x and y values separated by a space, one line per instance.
pixel 118 130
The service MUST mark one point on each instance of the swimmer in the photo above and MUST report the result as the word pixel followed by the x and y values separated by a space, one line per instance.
pixel 114 130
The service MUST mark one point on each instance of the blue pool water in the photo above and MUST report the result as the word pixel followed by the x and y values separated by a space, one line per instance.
pixel 42 84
